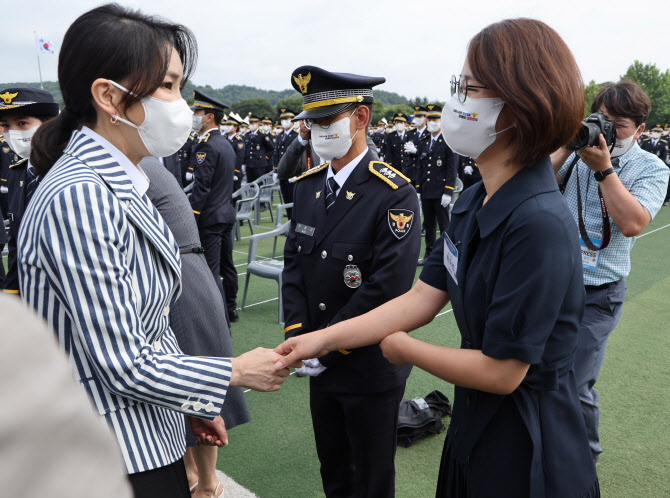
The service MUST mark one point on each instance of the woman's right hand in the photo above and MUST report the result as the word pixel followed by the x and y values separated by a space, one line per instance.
pixel 256 370
pixel 301 347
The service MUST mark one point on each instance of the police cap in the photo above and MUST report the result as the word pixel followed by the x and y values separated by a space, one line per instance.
pixel 399 116
pixel 27 101
pixel 205 102
pixel 286 113
pixel 325 93
pixel 434 111
pixel 419 111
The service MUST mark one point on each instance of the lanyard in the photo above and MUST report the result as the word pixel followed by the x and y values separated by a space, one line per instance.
pixel 606 230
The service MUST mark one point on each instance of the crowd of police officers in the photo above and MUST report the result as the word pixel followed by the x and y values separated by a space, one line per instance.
pixel 412 144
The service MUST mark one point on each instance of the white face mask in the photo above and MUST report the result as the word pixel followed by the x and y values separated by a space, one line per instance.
pixel 655 135
pixel 196 123
pixel 433 126
pixel 266 128
pixel 166 125
pixel 226 129
pixel 21 140
pixel 253 127
pixel 622 145
pixel 334 142
pixel 399 127
pixel 286 124
pixel 665 133
pixel 419 122
pixel 470 127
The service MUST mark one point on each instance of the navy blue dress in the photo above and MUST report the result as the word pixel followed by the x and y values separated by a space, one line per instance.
pixel 518 293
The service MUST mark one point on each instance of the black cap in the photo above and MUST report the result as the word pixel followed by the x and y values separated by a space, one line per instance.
pixel 419 110
pixel 399 116
pixel 285 112
pixel 203 101
pixel 266 120
pixel 28 101
pixel 230 120
pixel 434 111
pixel 253 117
pixel 325 93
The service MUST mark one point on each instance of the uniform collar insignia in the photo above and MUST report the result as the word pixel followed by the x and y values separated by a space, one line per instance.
pixel 350 195
pixel 318 194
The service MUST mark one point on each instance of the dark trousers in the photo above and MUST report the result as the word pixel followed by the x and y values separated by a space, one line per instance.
pixel 254 173
pixel 287 195
pixel 602 311
pixel 211 238
pixel 356 441
pixel 2 264
pixel 167 482
pixel 433 215
pixel 227 267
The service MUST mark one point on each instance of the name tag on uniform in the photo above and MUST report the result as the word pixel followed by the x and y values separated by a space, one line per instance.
pixel 304 229
pixel 590 257
pixel 450 257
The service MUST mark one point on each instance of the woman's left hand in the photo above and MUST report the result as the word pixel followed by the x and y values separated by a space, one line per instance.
pixel 394 348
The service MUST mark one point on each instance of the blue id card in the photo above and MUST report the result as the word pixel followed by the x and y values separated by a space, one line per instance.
pixel 450 257
pixel 590 257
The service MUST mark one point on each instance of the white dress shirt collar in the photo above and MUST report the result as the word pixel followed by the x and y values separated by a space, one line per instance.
pixel 139 179
pixel 342 175
pixel 205 132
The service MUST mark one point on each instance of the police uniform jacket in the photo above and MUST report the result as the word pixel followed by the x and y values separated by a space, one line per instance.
pixel 373 228
pixel 394 152
pixel 379 140
pixel 506 252
pixel 437 168
pixel 260 149
pixel 213 182
pixel 186 155
pixel 18 182
pixel 100 265
pixel 660 149
pixel 7 157
pixel 283 142
pixel 239 148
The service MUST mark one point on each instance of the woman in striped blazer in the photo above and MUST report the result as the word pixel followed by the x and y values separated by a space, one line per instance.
pixel 98 262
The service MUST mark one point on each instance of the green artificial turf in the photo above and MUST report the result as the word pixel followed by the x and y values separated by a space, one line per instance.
pixel 274 455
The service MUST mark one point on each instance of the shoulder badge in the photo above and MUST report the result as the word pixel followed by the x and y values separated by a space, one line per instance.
pixel 2 139
pixel 200 157
pixel 5 150
pixel 388 174
pixel 22 161
pixel 316 169
pixel 400 221
pixel 204 138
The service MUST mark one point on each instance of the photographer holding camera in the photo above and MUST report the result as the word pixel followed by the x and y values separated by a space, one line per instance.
pixel 614 189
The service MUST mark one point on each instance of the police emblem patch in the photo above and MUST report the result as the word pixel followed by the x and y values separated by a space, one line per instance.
pixel 400 221
pixel 5 149
pixel 350 195
pixel 201 157
pixel 352 276
pixel 240 145
pixel 318 194
pixel 439 162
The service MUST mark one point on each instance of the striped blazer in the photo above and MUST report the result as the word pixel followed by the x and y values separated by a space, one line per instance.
pixel 98 262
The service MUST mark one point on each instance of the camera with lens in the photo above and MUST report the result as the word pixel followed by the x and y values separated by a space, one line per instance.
pixel 593 126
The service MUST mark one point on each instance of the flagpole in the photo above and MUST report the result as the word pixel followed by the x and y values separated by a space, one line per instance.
pixel 38 61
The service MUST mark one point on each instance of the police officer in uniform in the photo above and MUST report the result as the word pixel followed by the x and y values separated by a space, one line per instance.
pixel 211 197
pixel 657 144
pixel 436 177
pixel 415 133
pixel 283 141
pixel 185 154
pixel 230 128
pixel 395 153
pixel 353 244
pixel 22 111
pixel 259 150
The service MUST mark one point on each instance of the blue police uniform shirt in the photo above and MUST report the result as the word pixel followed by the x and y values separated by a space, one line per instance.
pixel 517 292
pixel 646 177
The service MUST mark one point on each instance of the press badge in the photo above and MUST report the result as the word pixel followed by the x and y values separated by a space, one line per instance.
pixel 450 257
pixel 590 257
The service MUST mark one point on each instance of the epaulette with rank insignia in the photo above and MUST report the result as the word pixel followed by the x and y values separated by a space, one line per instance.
pixel 391 176
pixel 309 172
pixel 19 163
pixel 204 138
pixel 425 136
pixel 2 140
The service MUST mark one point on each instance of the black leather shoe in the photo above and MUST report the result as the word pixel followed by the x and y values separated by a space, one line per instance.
pixel 234 316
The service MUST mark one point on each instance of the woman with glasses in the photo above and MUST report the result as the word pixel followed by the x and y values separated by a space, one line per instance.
pixel 511 266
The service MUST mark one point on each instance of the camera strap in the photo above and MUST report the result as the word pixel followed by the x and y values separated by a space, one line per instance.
pixel 606 230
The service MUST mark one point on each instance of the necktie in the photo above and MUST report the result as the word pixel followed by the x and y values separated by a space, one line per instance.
pixel 331 188
pixel 432 143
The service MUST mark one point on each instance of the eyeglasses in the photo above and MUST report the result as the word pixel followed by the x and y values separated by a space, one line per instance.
pixel 460 85
pixel 325 122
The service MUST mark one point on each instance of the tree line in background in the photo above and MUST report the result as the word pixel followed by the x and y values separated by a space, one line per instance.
pixel 243 99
